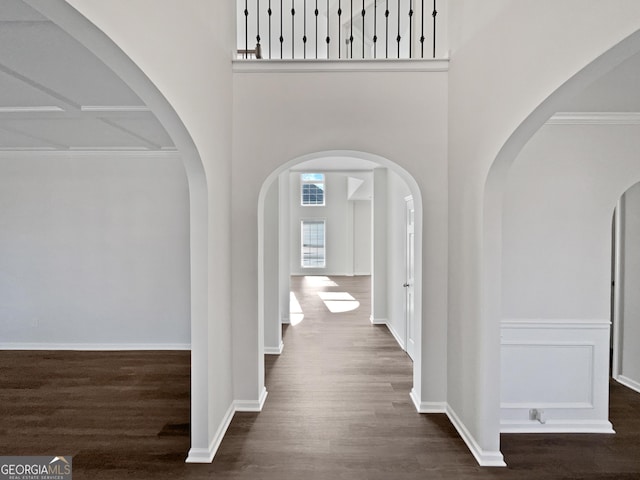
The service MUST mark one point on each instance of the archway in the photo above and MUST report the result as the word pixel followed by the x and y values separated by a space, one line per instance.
pixel 625 345
pixel 378 285
pixel 493 209
pixel 104 48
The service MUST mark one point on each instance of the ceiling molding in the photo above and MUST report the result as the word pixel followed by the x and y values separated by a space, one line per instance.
pixel 125 130
pixel 38 86
pixel 43 109
pixel 595 118
pixel 46 141
pixel 114 108
pixel 87 153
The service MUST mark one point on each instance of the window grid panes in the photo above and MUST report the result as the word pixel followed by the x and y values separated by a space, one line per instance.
pixel 313 243
pixel 312 189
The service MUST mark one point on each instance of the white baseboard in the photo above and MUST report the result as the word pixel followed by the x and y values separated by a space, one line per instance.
pixel 484 458
pixel 205 455
pixel 251 405
pixel 627 382
pixel 378 321
pixel 97 347
pixel 274 350
pixel 558 426
pixel 427 407
pixel 396 336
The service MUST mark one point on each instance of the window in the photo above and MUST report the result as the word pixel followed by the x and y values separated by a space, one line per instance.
pixel 312 189
pixel 313 251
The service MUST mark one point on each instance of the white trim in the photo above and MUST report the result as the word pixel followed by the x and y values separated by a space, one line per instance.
pixel 87 153
pixel 618 275
pixel 274 350
pixel 557 426
pixel 378 321
pixel 627 382
pixel 427 407
pixel 546 405
pixel 324 65
pixel 205 455
pixel 595 118
pixel 484 458
pixel 43 109
pixel 97 347
pixel 396 336
pixel 251 405
pixel 560 323
pixel 114 108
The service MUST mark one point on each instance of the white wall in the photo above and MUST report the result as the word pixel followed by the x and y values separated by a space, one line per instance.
pixel 95 251
pixel 361 237
pixel 271 272
pixel 347 230
pixel 629 321
pixel 380 251
pixel 556 270
pixel 491 112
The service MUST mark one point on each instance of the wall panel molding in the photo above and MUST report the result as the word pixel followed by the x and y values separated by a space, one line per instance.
pixel 559 367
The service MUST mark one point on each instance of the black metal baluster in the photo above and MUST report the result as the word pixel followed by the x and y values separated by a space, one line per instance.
pixel 339 29
pixel 410 27
pixel 351 32
pixel 375 28
pixel 386 31
pixel 422 31
pixel 270 12
pixel 246 29
pixel 304 36
pixel 258 47
pixel 328 31
pixel 398 38
pixel 316 14
pixel 281 37
pixel 363 14
pixel 293 35
pixel 435 12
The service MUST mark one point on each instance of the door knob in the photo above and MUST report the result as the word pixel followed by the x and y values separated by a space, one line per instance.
pixel 405 285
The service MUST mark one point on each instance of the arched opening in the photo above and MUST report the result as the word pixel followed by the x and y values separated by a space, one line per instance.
pixel 267 277
pixel 105 49
pixel 625 281
pixel 572 311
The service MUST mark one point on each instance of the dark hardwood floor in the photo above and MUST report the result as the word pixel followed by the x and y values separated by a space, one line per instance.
pixel 338 408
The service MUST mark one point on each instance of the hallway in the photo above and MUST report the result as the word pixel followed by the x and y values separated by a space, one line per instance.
pixel 338 404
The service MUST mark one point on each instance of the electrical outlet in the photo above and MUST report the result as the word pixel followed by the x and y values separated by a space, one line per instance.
pixel 537 415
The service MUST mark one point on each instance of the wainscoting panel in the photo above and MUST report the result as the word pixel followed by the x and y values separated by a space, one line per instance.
pixel 554 376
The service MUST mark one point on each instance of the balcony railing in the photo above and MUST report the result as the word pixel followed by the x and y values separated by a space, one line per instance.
pixel 337 29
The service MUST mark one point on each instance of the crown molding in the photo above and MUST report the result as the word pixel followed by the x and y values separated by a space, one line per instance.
pixel 102 153
pixel 595 118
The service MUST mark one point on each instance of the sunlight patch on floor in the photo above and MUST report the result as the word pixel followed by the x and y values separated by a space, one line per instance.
pixel 339 302
pixel 319 281
pixel 295 310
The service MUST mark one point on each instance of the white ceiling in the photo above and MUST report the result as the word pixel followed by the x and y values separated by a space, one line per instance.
pixel 56 95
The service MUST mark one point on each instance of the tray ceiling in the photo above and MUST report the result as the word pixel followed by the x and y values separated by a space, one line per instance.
pixel 56 95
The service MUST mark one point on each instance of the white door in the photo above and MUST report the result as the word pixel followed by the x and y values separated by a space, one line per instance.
pixel 408 285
